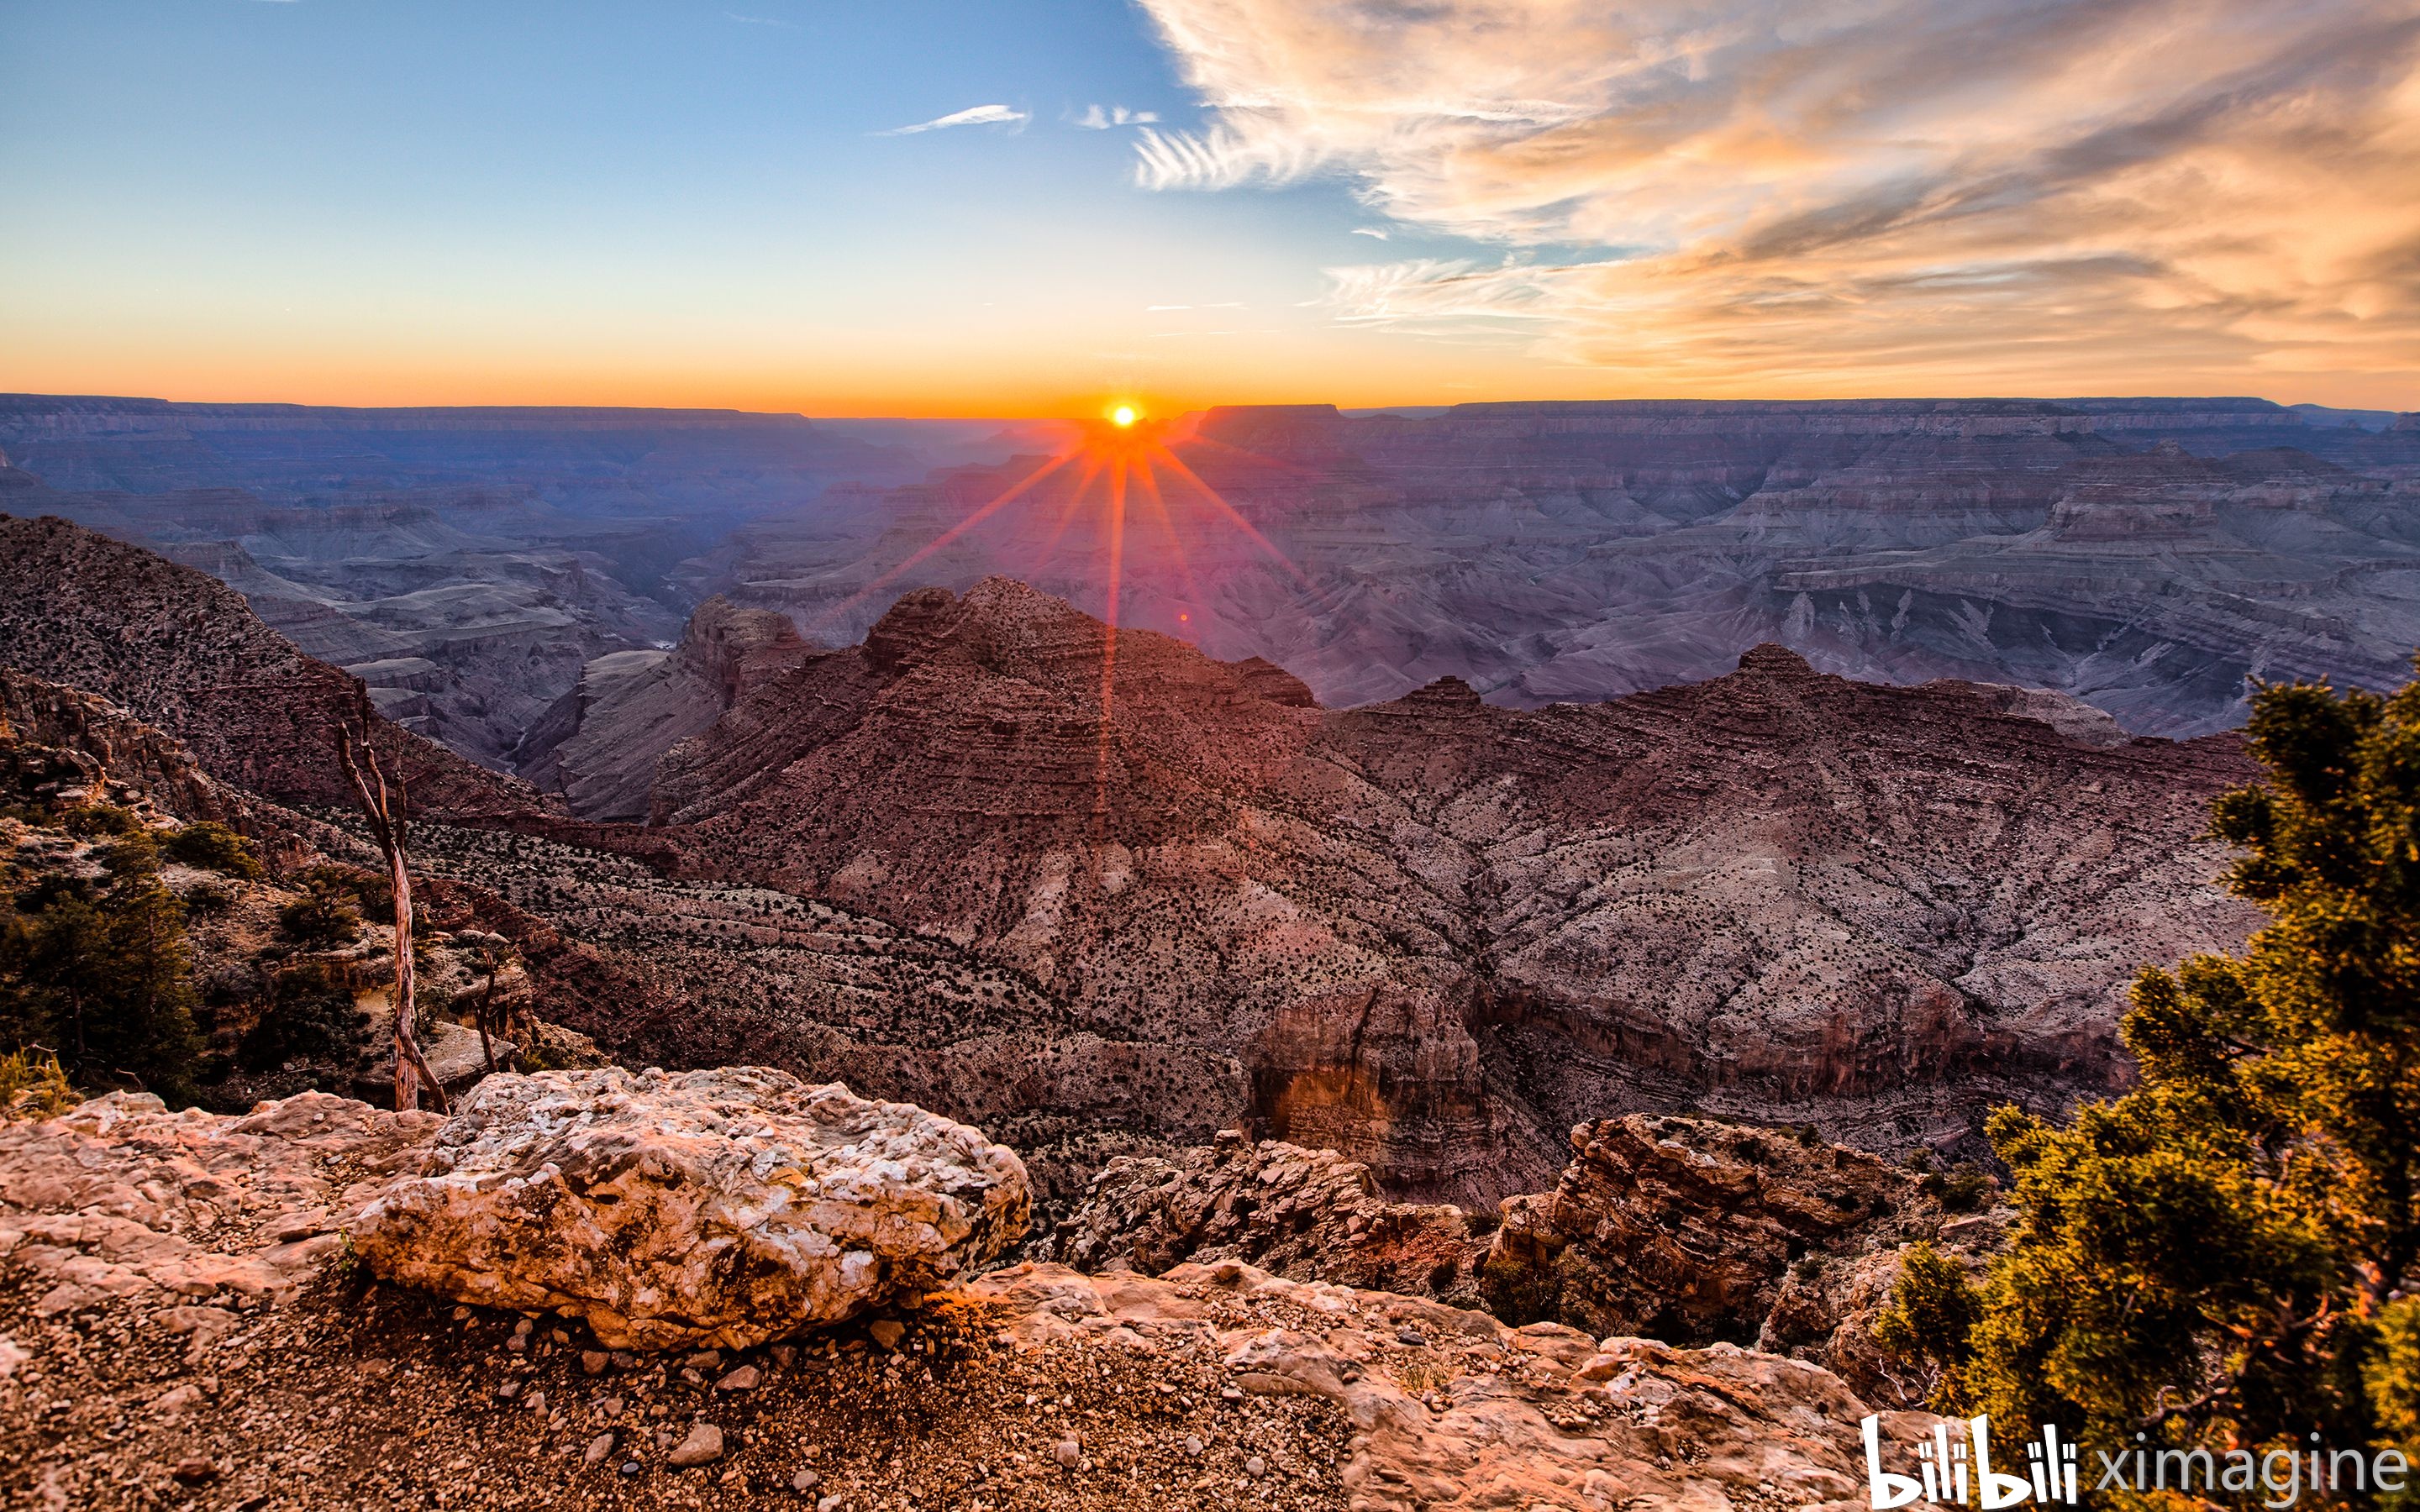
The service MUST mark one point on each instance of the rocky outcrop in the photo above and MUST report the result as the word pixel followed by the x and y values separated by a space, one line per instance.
pixel 1459 1411
pixel 600 749
pixel 721 1207
pixel 174 1313
pixel 1310 1215
pixel 121 1201
pixel 59 744
pixel 1436 933
pixel 183 652
pixel 1694 1230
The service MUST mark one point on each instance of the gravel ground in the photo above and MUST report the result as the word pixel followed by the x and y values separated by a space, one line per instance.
pixel 355 1396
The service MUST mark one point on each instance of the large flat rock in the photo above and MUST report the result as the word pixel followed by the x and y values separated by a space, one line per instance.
pixel 723 1206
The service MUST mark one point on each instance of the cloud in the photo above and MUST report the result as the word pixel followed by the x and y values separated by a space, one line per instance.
pixel 1370 231
pixel 1843 195
pixel 1097 118
pixel 762 20
pixel 973 116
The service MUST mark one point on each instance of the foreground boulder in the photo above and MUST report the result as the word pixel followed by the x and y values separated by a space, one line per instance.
pixel 174 1314
pixel 723 1208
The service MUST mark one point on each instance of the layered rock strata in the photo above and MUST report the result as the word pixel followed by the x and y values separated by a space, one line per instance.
pixel 1437 934
pixel 1309 1214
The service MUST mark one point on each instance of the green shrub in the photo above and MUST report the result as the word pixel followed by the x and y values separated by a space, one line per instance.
pixel 319 922
pixel 93 818
pixel 310 1016
pixel 214 847
pixel 34 1085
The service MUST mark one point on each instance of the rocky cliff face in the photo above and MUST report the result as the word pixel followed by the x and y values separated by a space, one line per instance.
pixel 1308 1215
pixel 183 650
pixel 1693 1230
pixel 1436 932
pixel 1684 1229
pixel 600 746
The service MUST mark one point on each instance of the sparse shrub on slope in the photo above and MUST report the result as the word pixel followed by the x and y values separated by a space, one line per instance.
pixel 310 1016
pixel 214 847
pixel 104 983
pixel 2229 1256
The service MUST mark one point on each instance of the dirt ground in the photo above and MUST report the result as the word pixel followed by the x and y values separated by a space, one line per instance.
pixel 359 1396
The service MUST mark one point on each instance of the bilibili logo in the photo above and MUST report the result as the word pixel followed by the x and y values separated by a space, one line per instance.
pixel 1948 1472
pixel 1955 1467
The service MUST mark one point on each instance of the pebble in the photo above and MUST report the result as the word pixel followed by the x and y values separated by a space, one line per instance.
pixel 535 1401
pixel 704 1360
pixel 631 1466
pixel 1412 1336
pixel 594 1360
pixel 831 1503
pixel 1068 1451
pixel 743 1379
pixel 1256 1466
pixel 703 1446
pixel 887 1331
pixel 1193 1444
pixel 805 1480
pixel 196 1471
pixel 599 1447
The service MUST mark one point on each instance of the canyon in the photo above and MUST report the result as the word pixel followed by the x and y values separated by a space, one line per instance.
pixel 480 569
pixel 1101 902
pixel 1371 977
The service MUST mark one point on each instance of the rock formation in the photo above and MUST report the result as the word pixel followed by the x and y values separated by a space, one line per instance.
pixel 1437 934
pixel 599 750
pixel 182 651
pixel 714 1207
pixel 1693 1230
pixel 1309 1214
pixel 176 1318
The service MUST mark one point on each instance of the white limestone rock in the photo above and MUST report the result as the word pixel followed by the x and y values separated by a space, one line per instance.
pixel 716 1207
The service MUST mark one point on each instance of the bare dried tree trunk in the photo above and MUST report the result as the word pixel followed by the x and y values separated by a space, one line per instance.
pixel 383 807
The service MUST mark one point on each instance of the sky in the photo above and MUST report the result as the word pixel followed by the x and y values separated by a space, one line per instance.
pixel 1006 207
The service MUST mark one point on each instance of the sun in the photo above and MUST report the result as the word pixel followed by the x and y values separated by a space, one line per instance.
pixel 1123 415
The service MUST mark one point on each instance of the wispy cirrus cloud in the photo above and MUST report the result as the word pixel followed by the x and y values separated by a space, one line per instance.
pixel 1877 193
pixel 1101 119
pixel 973 115
pixel 761 21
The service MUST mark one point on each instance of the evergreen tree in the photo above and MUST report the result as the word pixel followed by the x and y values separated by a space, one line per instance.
pixel 2227 1256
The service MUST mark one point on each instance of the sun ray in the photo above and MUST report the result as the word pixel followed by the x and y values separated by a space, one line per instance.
pixel 1300 577
pixel 1148 482
pixel 1109 638
pixel 922 553
pixel 1093 466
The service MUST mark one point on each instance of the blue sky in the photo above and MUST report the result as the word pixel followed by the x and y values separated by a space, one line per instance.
pixel 439 201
